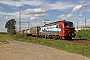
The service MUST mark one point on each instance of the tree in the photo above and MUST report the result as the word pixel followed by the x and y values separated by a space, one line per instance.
pixel 10 25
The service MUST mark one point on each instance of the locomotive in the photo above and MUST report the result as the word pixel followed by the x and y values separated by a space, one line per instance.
pixel 56 30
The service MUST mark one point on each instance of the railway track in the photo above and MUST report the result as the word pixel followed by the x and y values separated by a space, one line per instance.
pixel 78 41
pixel 74 40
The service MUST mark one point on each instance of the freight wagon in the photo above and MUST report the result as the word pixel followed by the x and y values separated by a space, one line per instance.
pixel 33 31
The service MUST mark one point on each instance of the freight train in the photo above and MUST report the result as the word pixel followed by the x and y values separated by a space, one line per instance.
pixel 56 30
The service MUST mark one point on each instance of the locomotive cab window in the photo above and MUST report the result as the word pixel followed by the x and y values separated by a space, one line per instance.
pixel 59 26
pixel 68 24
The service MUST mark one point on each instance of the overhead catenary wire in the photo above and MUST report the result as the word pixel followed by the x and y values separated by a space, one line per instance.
pixel 63 3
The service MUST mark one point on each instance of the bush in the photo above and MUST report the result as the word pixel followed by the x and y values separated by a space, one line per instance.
pixel 13 31
pixel 18 36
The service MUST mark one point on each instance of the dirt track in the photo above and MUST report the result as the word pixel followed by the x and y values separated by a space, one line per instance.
pixel 16 50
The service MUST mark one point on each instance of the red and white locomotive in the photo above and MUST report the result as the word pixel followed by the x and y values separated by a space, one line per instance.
pixel 57 30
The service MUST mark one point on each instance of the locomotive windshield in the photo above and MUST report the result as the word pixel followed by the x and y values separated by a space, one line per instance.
pixel 68 24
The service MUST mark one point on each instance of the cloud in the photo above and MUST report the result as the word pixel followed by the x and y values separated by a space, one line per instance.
pixel 9 17
pixel 86 7
pixel 2 29
pixel 33 11
pixel 1 8
pixel 2 13
pixel 88 22
pixel 59 5
pixel 33 24
pixel 19 3
pixel 36 13
pixel 31 14
pixel 81 23
pixel 82 1
pixel 77 8
pixel 67 17
pixel 88 10
pixel 80 14
pixel 34 18
pixel 8 13
pixel 12 3
pixel 41 15
pixel 38 16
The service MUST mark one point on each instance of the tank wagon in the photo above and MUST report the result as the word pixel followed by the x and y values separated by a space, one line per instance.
pixel 56 30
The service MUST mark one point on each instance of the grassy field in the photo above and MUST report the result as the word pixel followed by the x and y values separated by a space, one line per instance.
pixel 58 44
pixel 84 34
pixel 3 37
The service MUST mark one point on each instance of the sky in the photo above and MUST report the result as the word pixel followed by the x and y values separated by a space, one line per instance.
pixel 36 11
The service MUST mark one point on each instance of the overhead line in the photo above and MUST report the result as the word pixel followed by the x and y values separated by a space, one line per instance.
pixel 64 3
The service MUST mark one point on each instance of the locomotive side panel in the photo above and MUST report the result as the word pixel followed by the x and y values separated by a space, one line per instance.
pixel 50 30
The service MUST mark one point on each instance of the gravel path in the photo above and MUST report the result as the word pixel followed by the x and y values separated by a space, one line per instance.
pixel 16 50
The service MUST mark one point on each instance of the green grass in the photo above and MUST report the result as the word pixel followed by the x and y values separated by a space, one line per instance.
pixel 58 44
pixel 3 38
pixel 84 34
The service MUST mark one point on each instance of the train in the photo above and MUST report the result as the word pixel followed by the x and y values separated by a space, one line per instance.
pixel 55 30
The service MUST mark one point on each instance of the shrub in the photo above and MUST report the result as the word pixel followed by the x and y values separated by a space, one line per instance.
pixel 13 31
pixel 18 36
